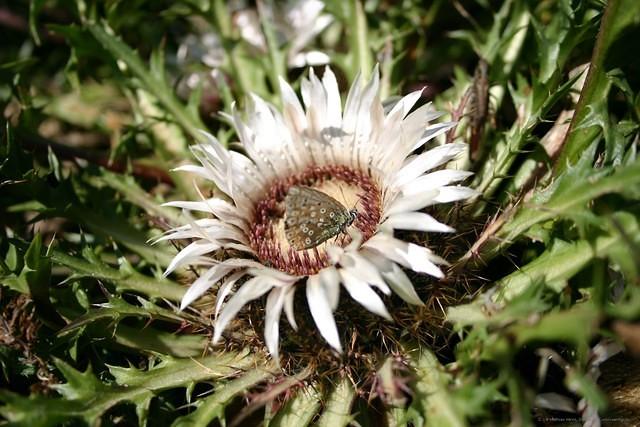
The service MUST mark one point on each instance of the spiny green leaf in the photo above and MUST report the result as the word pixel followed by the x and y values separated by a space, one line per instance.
pixel 124 233
pixel 535 104
pixel 171 371
pixel 563 260
pixel 13 261
pixel 575 326
pixel 117 309
pixel 299 410
pixel 534 299
pixel 627 306
pixel 131 281
pixel 88 398
pixel 37 274
pixel 567 195
pixel 12 269
pixel 152 340
pixel 337 409
pixel 152 83
pixel 277 388
pixel 132 191
pixel 625 255
pixel 37 410
pixel 475 398
pixel 432 398
pixel 213 407
pixel 79 385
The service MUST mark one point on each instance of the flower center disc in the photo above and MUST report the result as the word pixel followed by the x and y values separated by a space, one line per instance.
pixel 353 189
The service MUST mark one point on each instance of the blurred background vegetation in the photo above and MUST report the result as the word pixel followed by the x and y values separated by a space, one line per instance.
pixel 101 99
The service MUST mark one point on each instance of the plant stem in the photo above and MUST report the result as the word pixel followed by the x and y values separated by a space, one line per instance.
pixel 618 15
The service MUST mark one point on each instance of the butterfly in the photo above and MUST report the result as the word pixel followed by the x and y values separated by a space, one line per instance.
pixel 312 217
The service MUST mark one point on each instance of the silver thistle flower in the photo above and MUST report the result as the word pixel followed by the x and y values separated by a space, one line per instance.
pixel 359 156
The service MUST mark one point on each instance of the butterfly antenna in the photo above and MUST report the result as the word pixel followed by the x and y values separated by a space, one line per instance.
pixel 345 200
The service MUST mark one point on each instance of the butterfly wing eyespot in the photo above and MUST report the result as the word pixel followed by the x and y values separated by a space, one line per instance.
pixel 312 217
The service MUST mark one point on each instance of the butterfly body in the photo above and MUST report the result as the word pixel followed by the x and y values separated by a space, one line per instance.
pixel 312 217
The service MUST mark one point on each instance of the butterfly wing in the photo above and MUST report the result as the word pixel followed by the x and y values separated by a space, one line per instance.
pixel 311 217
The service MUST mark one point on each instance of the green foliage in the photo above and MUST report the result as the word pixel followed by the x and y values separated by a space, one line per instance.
pixel 337 410
pixel 85 397
pixel 432 404
pixel 300 409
